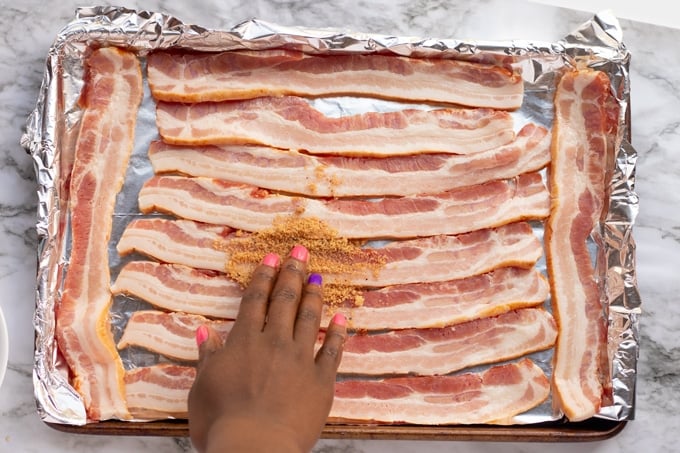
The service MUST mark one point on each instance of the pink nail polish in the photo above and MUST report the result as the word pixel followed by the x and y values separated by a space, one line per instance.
pixel 271 260
pixel 201 335
pixel 300 253
pixel 339 319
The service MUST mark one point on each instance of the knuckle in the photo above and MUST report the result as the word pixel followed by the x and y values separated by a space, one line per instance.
pixel 263 275
pixel 331 351
pixel 335 339
pixel 306 314
pixel 286 294
pixel 294 267
pixel 254 295
pixel 314 291
pixel 333 345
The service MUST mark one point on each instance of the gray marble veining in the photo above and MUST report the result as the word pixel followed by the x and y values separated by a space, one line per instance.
pixel 28 27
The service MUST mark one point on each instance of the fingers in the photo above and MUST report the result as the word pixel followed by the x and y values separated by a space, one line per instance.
pixel 253 309
pixel 282 305
pixel 208 342
pixel 329 355
pixel 285 296
pixel 309 313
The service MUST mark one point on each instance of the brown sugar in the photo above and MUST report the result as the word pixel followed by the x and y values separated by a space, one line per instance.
pixel 330 254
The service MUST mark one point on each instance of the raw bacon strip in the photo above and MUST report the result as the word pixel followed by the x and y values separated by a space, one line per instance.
pixel 448 349
pixel 199 77
pixel 170 334
pixel 291 123
pixel 417 305
pixel 180 288
pixel 444 258
pixel 184 242
pixel 439 258
pixel 493 396
pixel 414 351
pixel 111 95
pixel 251 209
pixel 584 119
pixel 334 176
pixel 422 305
pixel 159 391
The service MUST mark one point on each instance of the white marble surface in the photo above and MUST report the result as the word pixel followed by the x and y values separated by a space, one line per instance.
pixel 28 27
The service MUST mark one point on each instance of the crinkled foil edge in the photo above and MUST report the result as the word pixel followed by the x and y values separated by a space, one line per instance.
pixel 597 44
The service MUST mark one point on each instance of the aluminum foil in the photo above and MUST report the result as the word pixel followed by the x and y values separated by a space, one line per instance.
pixel 51 131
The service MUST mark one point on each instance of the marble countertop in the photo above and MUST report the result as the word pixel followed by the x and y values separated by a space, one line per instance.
pixel 28 27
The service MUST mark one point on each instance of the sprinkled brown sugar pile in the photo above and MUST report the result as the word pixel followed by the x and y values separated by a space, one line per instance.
pixel 330 254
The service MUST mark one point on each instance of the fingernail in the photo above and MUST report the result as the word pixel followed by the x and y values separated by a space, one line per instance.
pixel 201 335
pixel 314 279
pixel 339 319
pixel 271 260
pixel 300 253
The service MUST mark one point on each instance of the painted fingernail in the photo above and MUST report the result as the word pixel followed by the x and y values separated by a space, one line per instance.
pixel 339 319
pixel 314 279
pixel 271 260
pixel 300 253
pixel 201 335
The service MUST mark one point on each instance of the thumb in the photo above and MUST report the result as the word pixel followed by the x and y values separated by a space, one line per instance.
pixel 208 342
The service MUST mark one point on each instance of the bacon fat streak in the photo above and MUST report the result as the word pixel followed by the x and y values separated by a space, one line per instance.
pixel 585 118
pixel 410 351
pixel 417 305
pixel 111 95
pixel 199 77
pixel 248 208
pixel 292 123
pixel 493 396
pixel 431 259
pixel 337 176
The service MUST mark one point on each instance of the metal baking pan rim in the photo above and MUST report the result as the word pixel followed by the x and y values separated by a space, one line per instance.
pixel 594 429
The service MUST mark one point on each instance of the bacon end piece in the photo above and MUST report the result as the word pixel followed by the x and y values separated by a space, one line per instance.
pixel 335 176
pixel 170 334
pixel 492 397
pixel 159 391
pixel 584 119
pixel 180 288
pixel 176 241
pixel 292 123
pixel 199 77
pixel 111 95
pixel 248 208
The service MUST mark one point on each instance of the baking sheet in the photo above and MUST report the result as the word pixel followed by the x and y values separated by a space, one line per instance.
pixel 51 131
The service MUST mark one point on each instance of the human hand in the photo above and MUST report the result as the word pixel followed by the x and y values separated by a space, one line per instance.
pixel 265 389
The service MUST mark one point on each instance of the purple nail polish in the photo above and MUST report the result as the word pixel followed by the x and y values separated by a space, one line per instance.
pixel 314 279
